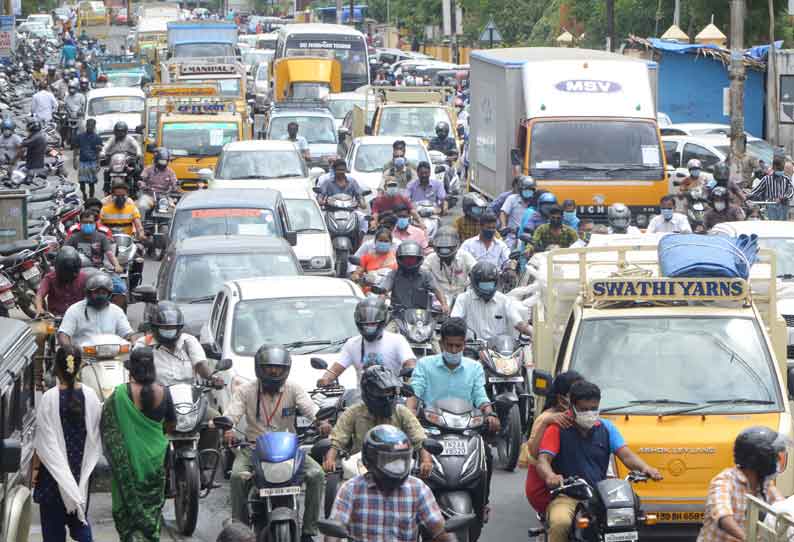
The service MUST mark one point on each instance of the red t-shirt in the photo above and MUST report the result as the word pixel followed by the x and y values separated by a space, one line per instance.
pixel 60 297
pixel 383 204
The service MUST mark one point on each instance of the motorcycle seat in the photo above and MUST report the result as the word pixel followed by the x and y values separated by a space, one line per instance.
pixel 8 249
pixel 42 195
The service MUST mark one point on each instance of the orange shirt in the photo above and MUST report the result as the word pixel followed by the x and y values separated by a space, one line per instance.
pixel 372 261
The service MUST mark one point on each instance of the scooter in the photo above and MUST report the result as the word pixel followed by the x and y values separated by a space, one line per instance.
pixel 427 211
pixel 343 227
pixel 418 327
pixel 156 224
pixel 104 363
pixel 127 256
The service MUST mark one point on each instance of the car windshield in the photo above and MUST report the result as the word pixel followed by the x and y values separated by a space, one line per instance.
pixel 783 248
pixel 314 129
pixel 340 108
pixel 260 165
pixel 254 55
pixel 198 138
pixel 594 150
pixel 202 275
pixel 39 19
pixel 229 87
pixel 311 319
pixel 304 215
pixel 200 222
pixel 124 79
pixel 115 104
pixel 411 121
pixel 372 157
pixel 675 359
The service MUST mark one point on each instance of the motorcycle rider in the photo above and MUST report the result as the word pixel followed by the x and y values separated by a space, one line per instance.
pixel 423 188
pixel 569 217
pixel 449 374
pixel 449 267
pixel 85 85
pixel 388 491
pixel 375 345
pixel 485 246
pixel 552 233
pixel 271 403
pixel 582 450
pixel 668 220
pixel 120 142
pixel 380 389
pixel 695 178
pixel 156 179
pixel 92 243
pixel 383 256
pixel 516 205
pixel 43 104
pixel 778 188
pixel 757 455
pixel 299 141
pixel 722 210
pixel 120 213
pixel 74 104
pixel 94 315
pixel 468 224
pixel 442 142
pixel 36 148
pixel 534 218
pixel 68 54
pixel 10 142
pixel 398 168
pixel 405 231
pixel 389 202
pixel 410 285
pixel 91 204
pixel 619 219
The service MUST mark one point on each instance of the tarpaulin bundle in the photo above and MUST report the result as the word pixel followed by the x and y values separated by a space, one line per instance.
pixel 690 255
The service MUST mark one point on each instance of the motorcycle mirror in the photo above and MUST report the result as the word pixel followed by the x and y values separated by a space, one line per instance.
pixel 145 294
pixel 433 446
pixel 406 372
pixel 407 390
pixel 139 129
pixel 355 260
pixel 211 350
pixel 316 189
pixel 319 449
pixel 541 382
pixel 458 522
pixel 318 363
pixel 366 192
pixel 331 527
pixel 326 412
pixel 223 423
pixel 223 365
pixel 440 169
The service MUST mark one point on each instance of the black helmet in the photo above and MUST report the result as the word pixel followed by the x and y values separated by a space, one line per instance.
pixel 386 453
pixel 84 83
pixel 446 243
pixel 483 278
pixel 67 264
pixel 34 125
pixel 719 192
pixel 370 317
pixel 409 255
pixel 442 129
pixel 167 322
pixel 379 390
pixel 273 356
pixel 162 154
pixel 759 448
pixel 619 217
pixel 721 172
pixel 120 129
pixel 474 206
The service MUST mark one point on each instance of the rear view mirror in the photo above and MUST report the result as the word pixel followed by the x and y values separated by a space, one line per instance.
pixel 212 351
pixel 326 413
pixel 144 294
pixel 316 189
pixel 433 446
pixel 366 192
pixel 541 383
pixel 319 364
pixel 291 238
pixel 515 157
pixel 223 365
pixel 139 129
pixel 790 383
pixel 223 423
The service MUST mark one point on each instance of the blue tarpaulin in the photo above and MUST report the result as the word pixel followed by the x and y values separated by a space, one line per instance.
pixel 759 52
pixel 691 255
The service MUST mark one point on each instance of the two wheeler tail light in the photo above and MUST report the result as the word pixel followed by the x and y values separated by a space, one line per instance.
pixel 27 264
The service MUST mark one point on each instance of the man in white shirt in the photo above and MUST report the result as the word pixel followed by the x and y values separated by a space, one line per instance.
pixel 299 140
pixel 43 104
pixel 94 315
pixel 375 345
pixel 668 221
pixel 448 266
pixel 485 247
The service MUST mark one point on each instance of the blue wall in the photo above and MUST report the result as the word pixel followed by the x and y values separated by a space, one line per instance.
pixel 690 90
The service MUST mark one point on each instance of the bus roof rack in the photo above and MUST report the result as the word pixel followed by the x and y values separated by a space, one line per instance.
pixel 300 103
pixel 439 95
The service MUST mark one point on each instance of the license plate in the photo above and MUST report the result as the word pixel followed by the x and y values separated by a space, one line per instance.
pixel 6 296
pixel 453 447
pixel 28 274
pixel 621 537
pixel 680 517
pixel 279 491
pixel 517 379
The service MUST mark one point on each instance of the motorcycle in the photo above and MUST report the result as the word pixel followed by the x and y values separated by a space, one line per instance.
pixel 122 166
pixel 418 327
pixel 610 512
pixel 156 224
pixel 427 211
pixel 21 263
pixel 696 210
pixel 336 529
pixel 343 226
pixel 127 256
pixel 104 363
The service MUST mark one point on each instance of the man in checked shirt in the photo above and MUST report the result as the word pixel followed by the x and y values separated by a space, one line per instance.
pixel 759 454
pixel 777 187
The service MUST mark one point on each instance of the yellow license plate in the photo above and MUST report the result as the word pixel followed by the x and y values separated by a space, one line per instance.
pixel 680 517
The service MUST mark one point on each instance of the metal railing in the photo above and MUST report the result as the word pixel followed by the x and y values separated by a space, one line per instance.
pixel 763 524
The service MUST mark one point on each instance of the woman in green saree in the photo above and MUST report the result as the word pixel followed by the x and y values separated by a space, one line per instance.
pixel 132 424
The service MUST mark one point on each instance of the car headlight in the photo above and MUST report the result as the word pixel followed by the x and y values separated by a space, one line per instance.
pixel 620 517
pixel 320 262
pixel 278 473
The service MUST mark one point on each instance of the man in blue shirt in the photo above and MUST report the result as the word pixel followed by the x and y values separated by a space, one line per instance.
pixel 449 374
pixel 581 450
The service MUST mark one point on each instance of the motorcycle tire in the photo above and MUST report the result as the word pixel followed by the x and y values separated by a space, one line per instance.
pixel 331 485
pixel 25 303
pixel 341 264
pixel 509 445
pixel 186 501
pixel 278 532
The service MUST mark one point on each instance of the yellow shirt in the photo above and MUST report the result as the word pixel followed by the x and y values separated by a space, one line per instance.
pixel 119 219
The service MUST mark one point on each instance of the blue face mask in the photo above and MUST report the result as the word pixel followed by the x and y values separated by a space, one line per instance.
pixel 569 216
pixel 694 173
pixel 382 247
pixel 452 359
pixel 667 214
pixel 779 173
pixel 527 194
pixel 488 287
pixel 399 162
pixel 403 222
pixel 88 228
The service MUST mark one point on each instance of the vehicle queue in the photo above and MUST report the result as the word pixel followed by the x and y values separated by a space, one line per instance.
pixel 309 224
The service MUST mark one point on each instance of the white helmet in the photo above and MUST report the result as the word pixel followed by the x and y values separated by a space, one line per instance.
pixel 694 163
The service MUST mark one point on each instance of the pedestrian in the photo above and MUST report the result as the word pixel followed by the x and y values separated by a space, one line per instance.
pixel 90 144
pixel 235 531
pixel 135 446
pixel 67 448
pixel 777 188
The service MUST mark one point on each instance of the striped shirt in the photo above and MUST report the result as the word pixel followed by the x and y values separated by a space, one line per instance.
pixel 773 188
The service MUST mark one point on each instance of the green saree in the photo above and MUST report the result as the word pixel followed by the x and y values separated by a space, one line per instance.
pixel 135 447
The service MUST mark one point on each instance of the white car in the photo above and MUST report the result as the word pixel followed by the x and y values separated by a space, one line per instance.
pixel 342 103
pixel 369 154
pixel 312 316
pixel 314 248
pixel 698 129
pixel 113 104
pixel 316 124
pixel 41 18
pixel 709 149
pixel 260 164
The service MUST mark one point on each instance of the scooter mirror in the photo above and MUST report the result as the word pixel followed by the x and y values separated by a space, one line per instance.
pixel 433 446
pixel 330 527
pixel 326 412
pixel 318 363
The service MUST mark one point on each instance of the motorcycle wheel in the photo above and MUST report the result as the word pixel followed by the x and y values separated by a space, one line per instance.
pixel 331 485
pixel 279 532
pixel 509 445
pixel 186 500
pixel 25 303
pixel 341 264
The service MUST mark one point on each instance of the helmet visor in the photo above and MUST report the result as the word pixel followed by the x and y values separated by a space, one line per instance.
pixel 409 261
pixel 395 464
pixel 274 372
pixel 620 222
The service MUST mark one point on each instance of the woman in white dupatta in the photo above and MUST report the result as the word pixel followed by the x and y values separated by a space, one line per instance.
pixel 67 447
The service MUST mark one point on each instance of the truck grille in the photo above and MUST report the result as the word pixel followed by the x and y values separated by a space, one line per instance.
pixel 790 351
pixel 789 318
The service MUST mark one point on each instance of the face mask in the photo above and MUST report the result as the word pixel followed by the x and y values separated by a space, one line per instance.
pixel 88 228
pixel 527 194
pixel 119 201
pixel 391 191
pixel 694 173
pixel 779 173
pixel 7 133
pixel 98 301
pixel 555 222
pixel 369 331
pixel 168 334
pixel 719 205
pixel 403 222
pixel 452 359
pixel 569 216
pixel 488 233
pixel 488 287
pixel 161 164
pixel 476 211
pixel 382 247
pixel 667 214
pixel 586 419
pixel 424 180
pixel 399 162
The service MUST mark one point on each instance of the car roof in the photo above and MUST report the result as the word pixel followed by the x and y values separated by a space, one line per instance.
pixel 761 228
pixel 261 145
pixel 245 198
pixel 298 286
pixel 295 112
pixel 115 91
pixel 380 140
pixel 231 244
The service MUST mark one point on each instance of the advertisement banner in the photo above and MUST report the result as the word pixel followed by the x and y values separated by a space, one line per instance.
pixel 7 35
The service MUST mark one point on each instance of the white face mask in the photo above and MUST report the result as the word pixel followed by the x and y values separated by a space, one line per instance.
pixel 586 419
pixel 719 205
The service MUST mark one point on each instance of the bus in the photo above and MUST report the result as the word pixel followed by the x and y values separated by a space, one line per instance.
pixel 343 43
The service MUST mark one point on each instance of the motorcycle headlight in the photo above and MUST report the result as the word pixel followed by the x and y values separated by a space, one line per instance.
pixel 620 517
pixel 106 351
pixel 457 421
pixel 420 332
pixel 163 205
pixel 185 421
pixel 505 365
pixel 278 473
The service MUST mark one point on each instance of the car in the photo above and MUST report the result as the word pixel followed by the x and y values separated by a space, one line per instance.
pixel 341 103
pixel 260 164
pixel 244 211
pixel 194 270
pixel 258 85
pixel 111 105
pixel 698 129
pixel 314 248
pixel 316 124
pixel 311 316
pixel 709 149
pixel 41 18
pixel 369 154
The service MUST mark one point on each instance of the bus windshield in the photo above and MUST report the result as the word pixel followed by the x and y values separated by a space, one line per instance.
pixel 349 50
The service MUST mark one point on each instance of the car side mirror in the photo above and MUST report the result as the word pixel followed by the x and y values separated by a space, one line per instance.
pixel 316 189
pixel 10 456
pixel 316 172
pixel 144 294
pixel 342 132
pixel 151 147
pixel 212 351
pixel 223 365
pixel 333 528
pixel 433 446
pixel 291 237
pixel 318 363
pixel 139 129
pixel 205 174
pixel 515 157
pixel 541 383
pixel 223 423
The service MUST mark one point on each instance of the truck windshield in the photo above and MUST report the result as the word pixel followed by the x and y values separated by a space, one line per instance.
pixel 654 365
pixel 314 129
pixel 198 50
pixel 595 150
pixel 198 138
pixel 411 121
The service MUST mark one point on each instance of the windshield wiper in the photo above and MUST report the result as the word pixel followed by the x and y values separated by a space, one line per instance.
pixel 283 176
pixel 715 402
pixel 650 402
pixel 205 299
pixel 323 343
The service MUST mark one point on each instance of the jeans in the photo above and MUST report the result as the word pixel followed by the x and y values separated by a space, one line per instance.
pixel 313 477
pixel 55 520
pixel 559 515
pixel 778 211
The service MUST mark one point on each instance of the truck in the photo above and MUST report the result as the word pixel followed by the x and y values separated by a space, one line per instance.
pixel 581 122
pixel 202 39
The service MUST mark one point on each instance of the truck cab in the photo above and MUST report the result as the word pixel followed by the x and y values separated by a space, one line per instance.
pixel 414 112
pixel 312 78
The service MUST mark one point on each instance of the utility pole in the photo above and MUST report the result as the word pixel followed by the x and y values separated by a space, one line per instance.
pixel 737 76
pixel 453 43
pixel 610 25
pixel 677 13
pixel 772 104
pixel 338 11
pixel 352 19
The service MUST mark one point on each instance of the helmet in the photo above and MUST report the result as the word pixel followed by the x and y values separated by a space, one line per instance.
pixel 525 182
pixel 120 129
pixel 483 278
pixel 51 69
pixel 84 84
pixel 74 85
pixel 119 183
pixel 721 172
pixel 719 192
pixel 442 129
pixel 386 453
pixel 8 124
pixel 473 205
pixel 694 163
pixel 409 255
pixel 759 448
pixel 370 317
pixel 446 243
pixel 34 125
pixel 276 357
pixel 98 281
pixel 162 154
pixel 167 322
pixel 619 217
pixel 546 201
pixel 379 390
pixel 67 264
